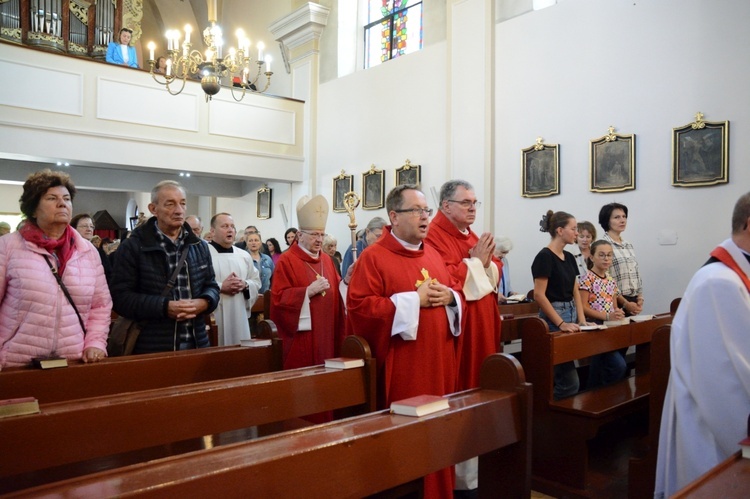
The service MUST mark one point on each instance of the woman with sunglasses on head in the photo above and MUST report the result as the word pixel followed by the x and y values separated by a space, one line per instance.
pixel 121 52
pixel 613 218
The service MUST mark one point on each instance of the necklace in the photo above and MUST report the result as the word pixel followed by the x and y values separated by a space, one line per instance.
pixel 317 275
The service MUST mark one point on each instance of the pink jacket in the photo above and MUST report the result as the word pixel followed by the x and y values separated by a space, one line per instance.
pixel 36 319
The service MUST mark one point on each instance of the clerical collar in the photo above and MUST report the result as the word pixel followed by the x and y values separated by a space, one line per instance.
pixel 308 252
pixel 221 249
pixel 409 246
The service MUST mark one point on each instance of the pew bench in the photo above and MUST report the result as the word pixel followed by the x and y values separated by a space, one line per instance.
pixel 79 431
pixel 563 428
pixel 142 372
pixel 354 457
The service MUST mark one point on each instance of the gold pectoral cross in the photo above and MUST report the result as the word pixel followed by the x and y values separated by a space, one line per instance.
pixel 318 276
pixel 425 277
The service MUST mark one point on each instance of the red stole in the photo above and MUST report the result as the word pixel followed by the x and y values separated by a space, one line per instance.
pixel 724 257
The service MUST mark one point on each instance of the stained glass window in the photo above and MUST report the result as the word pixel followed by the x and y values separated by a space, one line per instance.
pixel 394 29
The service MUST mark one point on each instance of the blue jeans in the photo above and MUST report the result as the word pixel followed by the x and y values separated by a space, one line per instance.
pixel 606 368
pixel 566 376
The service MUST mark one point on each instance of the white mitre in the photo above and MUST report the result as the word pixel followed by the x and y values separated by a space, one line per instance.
pixel 312 214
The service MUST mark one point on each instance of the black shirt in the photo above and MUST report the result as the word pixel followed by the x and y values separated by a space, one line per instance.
pixel 561 274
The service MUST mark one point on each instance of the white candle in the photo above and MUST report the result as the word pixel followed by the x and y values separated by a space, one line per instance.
pixel 169 67
pixel 268 63
pixel 261 46
pixel 188 30
pixel 168 34
pixel 151 48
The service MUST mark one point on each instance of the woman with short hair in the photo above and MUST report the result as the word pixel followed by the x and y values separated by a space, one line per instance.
pixel 613 218
pixel 39 315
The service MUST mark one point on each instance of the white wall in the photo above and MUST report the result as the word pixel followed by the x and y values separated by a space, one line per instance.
pixel 383 116
pixel 569 71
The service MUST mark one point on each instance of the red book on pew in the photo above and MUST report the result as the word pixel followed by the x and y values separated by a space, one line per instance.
pixel 18 407
pixel 421 405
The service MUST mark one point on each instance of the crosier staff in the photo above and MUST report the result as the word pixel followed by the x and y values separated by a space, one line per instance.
pixel 351 201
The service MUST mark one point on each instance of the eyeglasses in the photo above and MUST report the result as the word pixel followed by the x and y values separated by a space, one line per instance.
pixel 466 203
pixel 84 226
pixel 417 212
pixel 314 235
pixel 605 255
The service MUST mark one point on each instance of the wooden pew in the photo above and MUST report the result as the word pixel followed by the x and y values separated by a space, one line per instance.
pixel 142 372
pixel 87 429
pixel 563 428
pixel 261 310
pixel 642 470
pixel 729 479
pixel 355 457
pixel 523 308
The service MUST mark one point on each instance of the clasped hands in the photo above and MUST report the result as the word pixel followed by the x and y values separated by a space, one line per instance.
pixel 318 286
pixel 484 249
pixel 433 294
pixel 233 285
pixel 182 310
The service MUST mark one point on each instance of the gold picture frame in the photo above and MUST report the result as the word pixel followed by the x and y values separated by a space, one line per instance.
pixel 342 183
pixel 700 153
pixel 540 170
pixel 612 162
pixel 409 174
pixel 264 198
pixel 373 189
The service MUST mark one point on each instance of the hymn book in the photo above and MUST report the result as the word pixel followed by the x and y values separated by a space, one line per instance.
pixel 344 363
pixel 18 407
pixel 49 362
pixel 421 405
pixel 256 342
pixel 641 318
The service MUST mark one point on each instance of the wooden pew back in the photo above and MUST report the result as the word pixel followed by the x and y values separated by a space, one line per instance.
pixel 350 458
pixel 141 372
pixel 79 430
pixel 563 427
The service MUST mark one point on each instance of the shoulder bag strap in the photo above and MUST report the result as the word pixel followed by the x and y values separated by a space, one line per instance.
pixel 65 290
pixel 173 279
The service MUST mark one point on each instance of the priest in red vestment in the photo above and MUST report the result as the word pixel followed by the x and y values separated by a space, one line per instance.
pixel 306 304
pixel 400 300
pixel 470 260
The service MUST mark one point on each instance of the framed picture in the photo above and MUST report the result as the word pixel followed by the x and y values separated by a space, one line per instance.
pixel 373 189
pixel 408 174
pixel 540 170
pixel 264 203
pixel 612 159
pixel 342 183
pixel 700 153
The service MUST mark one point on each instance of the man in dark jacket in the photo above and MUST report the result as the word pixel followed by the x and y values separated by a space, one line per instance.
pixel 142 268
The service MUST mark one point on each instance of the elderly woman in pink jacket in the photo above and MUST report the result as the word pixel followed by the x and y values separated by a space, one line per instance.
pixel 41 315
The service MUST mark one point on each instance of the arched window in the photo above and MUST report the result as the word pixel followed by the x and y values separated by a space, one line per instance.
pixel 394 28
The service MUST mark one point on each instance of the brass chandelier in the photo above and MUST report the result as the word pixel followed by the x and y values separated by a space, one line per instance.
pixel 211 67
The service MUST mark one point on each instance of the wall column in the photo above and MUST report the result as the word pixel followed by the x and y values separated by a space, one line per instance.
pixel 299 37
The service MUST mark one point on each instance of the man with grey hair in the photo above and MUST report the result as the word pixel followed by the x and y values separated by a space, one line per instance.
pixel 470 260
pixel 708 396
pixel 195 224
pixel 372 232
pixel 163 277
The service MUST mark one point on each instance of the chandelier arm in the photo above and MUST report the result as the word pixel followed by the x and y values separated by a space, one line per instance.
pixel 182 87
pixel 242 96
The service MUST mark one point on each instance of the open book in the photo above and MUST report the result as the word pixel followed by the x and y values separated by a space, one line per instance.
pixel 421 405
pixel 641 318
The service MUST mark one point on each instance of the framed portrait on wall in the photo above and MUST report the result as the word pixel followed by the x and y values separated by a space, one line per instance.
pixel 373 189
pixel 540 170
pixel 342 183
pixel 700 153
pixel 612 162
pixel 408 174
pixel 264 203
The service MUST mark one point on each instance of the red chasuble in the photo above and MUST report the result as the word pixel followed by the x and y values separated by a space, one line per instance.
pixel 294 271
pixel 426 365
pixel 480 335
